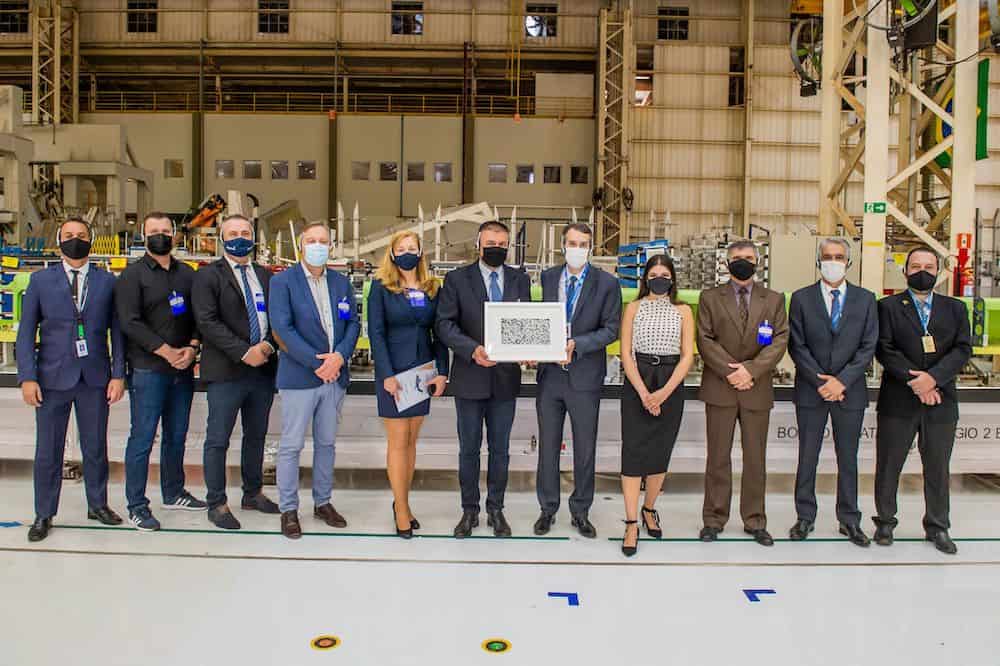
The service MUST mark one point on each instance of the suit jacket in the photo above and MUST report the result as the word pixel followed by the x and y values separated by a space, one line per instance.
pixel 402 336
pixel 900 350
pixel 460 325
pixel 220 312
pixel 300 332
pixel 48 310
pixel 720 342
pixel 596 323
pixel 817 349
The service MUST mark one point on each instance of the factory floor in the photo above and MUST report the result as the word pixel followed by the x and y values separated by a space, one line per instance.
pixel 194 595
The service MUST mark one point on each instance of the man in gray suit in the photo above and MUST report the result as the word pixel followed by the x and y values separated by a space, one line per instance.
pixel 593 304
pixel 833 333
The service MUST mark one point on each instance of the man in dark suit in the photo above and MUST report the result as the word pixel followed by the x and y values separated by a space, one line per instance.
pixel 742 335
pixel 484 389
pixel 70 307
pixel 833 332
pixel 238 364
pixel 924 342
pixel 593 303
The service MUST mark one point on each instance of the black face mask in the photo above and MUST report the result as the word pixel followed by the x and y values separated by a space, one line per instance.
pixel 75 248
pixel 159 244
pixel 494 256
pixel 921 281
pixel 741 269
pixel 660 285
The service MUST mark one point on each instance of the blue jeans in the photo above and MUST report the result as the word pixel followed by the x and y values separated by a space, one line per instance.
pixel 156 396
pixel 499 417
pixel 300 408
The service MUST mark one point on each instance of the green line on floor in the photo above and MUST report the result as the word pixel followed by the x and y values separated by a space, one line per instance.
pixel 386 535
pixel 750 539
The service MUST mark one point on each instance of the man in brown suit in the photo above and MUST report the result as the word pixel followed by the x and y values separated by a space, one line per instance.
pixel 742 335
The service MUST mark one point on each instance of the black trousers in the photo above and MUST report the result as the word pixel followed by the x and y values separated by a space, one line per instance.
pixel 936 441
pixel 499 418
pixel 555 399
pixel 847 424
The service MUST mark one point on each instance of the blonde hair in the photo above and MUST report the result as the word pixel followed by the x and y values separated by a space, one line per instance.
pixel 388 273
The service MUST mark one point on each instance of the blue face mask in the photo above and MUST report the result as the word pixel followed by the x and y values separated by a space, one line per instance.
pixel 316 254
pixel 238 247
pixel 407 261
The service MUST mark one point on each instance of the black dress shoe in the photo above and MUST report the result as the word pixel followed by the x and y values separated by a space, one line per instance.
pixel 883 534
pixel 855 535
pixel 290 525
pixel 544 523
pixel 223 518
pixel 105 515
pixel 496 520
pixel 761 536
pixel 709 533
pixel 584 526
pixel 469 520
pixel 943 542
pixel 800 530
pixel 259 502
pixel 39 529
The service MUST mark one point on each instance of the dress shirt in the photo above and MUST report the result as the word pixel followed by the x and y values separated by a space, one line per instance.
pixel 255 287
pixel 81 292
pixel 486 270
pixel 828 295
pixel 320 291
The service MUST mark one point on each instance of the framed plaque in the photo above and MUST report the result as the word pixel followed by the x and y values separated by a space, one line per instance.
pixel 525 331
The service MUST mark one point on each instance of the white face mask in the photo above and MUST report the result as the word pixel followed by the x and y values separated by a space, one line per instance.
pixel 576 257
pixel 832 271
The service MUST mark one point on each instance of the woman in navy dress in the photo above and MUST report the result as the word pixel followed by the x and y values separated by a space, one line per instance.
pixel 402 303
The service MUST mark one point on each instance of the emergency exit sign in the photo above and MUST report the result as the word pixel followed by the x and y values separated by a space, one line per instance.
pixel 875 207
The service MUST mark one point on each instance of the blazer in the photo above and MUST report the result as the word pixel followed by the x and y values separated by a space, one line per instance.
pixel 400 335
pixel 220 313
pixel 817 349
pixel 47 312
pixel 720 343
pixel 595 324
pixel 300 332
pixel 900 350
pixel 460 325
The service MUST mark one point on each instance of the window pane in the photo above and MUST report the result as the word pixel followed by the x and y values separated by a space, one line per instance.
pixel 407 18
pixel 497 173
pixel 526 173
pixel 672 28
pixel 387 171
pixel 307 169
pixel 224 169
pixel 279 169
pixel 14 22
pixel 359 170
pixel 141 21
pixel 415 171
pixel 272 16
pixel 252 169
pixel 173 168
pixel 552 174
pixel 442 172
pixel 578 175
pixel 540 20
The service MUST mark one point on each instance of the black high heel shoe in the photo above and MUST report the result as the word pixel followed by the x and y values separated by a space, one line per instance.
pixel 629 551
pixel 406 534
pixel 414 524
pixel 655 533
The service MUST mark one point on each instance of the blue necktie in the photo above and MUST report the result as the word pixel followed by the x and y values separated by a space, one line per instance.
pixel 835 309
pixel 495 294
pixel 251 307
pixel 570 293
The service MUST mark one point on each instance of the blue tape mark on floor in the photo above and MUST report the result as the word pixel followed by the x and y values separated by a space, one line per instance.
pixel 753 595
pixel 572 598
pixel 11 524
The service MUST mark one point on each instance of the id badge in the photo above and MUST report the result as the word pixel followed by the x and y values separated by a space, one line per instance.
pixel 928 341
pixel 177 304
pixel 259 300
pixel 343 310
pixel 417 298
pixel 81 349
pixel 765 334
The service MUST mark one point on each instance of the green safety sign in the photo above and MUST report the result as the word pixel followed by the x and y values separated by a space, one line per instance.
pixel 875 207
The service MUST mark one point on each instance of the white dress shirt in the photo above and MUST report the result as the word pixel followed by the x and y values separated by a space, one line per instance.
pixel 255 287
pixel 321 297
pixel 828 295
pixel 81 283
pixel 486 270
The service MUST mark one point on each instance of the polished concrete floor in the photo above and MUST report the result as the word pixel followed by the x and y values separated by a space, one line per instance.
pixel 193 595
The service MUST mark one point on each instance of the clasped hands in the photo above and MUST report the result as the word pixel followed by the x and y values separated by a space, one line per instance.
pixel 258 354
pixel 330 370
pixel 179 358
pixel 740 379
pixel 652 401
pixel 924 386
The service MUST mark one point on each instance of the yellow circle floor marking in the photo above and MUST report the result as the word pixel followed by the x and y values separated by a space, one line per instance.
pixel 325 642
pixel 496 645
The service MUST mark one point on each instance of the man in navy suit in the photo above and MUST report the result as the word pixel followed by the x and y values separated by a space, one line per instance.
pixel 317 327
pixel 833 329
pixel 71 304
pixel 593 303
pixel 488 390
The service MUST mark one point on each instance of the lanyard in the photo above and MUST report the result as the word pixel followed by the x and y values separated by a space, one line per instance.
pixel 571 303
pixel 923 311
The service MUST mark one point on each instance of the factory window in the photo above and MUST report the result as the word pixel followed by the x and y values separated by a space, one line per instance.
pixel 360 170
pixel 387 171
pixel 279 169
pixel 737 76
pixel 673 23
pixel 306 169
pixel 173 168
pixel 442 172
pixel 578 175
pixel 407 18
pixel 415 172
pixel 497 173
pixel 552 174
pixel 525 173
pixel 540 20
pixel 224 169
pixel 140 18
pixel 253 169
pixel 14 17
pixel 272 16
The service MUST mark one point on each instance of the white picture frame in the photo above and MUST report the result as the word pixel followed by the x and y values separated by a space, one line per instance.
pixel 541 328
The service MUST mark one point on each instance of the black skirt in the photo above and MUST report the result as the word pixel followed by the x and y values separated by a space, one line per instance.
pixel 647 440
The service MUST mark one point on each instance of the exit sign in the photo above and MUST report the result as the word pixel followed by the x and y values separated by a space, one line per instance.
pixel 875 207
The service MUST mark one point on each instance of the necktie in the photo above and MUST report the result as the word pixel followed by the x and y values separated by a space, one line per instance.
pixel 495 294
pixel 570 294
pixel 75 286
pixel 251 306
pixel 835 309
pixel 744 307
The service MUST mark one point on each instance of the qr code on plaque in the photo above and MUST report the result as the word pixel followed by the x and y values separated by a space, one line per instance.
pixel 524 331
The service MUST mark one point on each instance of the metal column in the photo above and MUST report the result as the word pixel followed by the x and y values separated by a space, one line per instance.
pixel 55 62
pixel 876 140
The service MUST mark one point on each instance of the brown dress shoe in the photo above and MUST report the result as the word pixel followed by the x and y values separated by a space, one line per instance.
pixel 330 516
pixel 290 525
